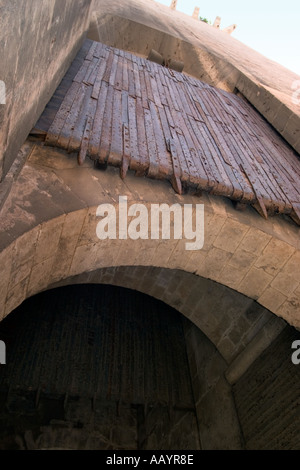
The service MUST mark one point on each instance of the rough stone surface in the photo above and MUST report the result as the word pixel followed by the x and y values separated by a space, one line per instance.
pixel 40 39
pixel 267 397
pixel 44 207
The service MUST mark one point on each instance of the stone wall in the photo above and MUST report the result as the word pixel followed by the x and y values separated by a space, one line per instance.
pixel 217 417
pixel 267 397
pixel 39 39
pixel 48 234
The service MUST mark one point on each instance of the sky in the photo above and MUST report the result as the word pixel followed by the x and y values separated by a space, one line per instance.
pixel 269 27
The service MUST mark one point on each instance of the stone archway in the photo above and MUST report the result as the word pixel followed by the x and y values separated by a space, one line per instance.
pixel 217 378
pixel 164 374
pixel 234 289
pixel 49 233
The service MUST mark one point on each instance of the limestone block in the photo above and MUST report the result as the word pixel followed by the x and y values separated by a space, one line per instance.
pixel 230 236
pixel 84 259
pixel 274 256
pixel 40 274
pixel 272 299
pixel 255 241
pixel 48 239
pixel 213 263
pixel 290 310
pixel 23 256
pixel 16 296
pixel 255 282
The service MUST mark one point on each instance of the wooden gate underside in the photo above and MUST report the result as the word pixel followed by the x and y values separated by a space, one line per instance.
pixel 125 111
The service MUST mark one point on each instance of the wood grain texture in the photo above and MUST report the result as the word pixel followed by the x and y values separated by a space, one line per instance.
pixel 137 115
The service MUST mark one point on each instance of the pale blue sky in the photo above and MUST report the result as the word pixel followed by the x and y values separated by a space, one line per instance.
pixel 270 27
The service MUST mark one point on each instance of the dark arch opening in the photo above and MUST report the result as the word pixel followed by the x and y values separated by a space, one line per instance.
pixel 96 367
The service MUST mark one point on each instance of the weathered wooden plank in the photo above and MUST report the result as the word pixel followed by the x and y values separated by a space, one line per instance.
pixel 279 200
pixel 62 114
pixel 149 92
pixel 183 98
pixel 180 152
pixel 90 76
pixel 283 171
pixel 113 71
pixel 161 90
pixel 173 95
pixel 155 92
pixel 100 50
pixel 244 142
pixel 189 145
pixel 147 66
pixel 90 54
pixel 192 172
pixel 153 171
pixel 128 56
pixel 135 163
pixel 191 102
pixel 126 152
pixel 95 73
pixel 204 178
pixel 126 136
pixel 77 133
pixel 238 103
pixel 195 94
pixel 125 85
pixel 124 115
pixel 131 84
pixel 209 157
pixel 79 77
pixel 169 117
pixel 105 140
pixel 169 73
pixel 143 90
pixel 94 142
pixel 116 147
pixel 98 81
pixel 280 158
pixel 177 174
pixel 165 125
pixel 141 63
pixel 70 123
pixel 227 152
pixel 230 150
pixel 119 74
pixel 227 184
pixel 109 63
pixel 162 76
pixel 171 148
pixel 86 135
pixel 165 164
pixel 141 137
pixel 136 78
pixel 240 133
